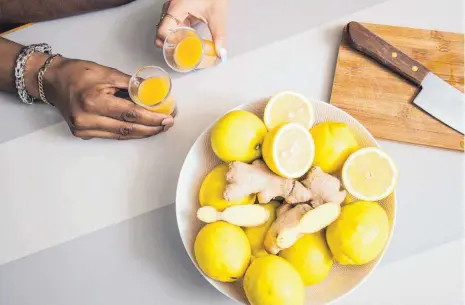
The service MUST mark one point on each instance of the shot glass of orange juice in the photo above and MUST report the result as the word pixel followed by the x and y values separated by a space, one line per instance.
pixel 184 50
pixel 150 87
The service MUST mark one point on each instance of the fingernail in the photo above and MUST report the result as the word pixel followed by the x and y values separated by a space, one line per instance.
pixel 167 122
pixel 223 55
pixel 166 128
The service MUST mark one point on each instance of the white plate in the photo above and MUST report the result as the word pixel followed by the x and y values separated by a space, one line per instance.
pixel 201 160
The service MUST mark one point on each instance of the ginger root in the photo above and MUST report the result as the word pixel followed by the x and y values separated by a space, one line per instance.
pixel 324 187
pixel 288 217
pixel 319 193
pixel 250 215
pixel 283 208
pixel 245 179
pixel 301 219
pixel 317 188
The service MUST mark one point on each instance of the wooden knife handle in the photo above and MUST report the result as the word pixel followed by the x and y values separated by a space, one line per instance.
pixel 375 47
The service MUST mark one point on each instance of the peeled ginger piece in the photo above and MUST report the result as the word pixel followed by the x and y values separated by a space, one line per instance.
pixel 251 215
pixel 293 222
pixel 311 222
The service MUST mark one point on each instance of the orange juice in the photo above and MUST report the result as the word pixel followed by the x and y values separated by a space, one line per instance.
pixel 186 51
pixel 154 92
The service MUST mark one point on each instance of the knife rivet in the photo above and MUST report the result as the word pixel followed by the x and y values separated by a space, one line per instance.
pixel 394 54
pixel 414 68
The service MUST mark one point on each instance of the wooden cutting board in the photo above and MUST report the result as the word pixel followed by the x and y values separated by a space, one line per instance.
pixel 382 101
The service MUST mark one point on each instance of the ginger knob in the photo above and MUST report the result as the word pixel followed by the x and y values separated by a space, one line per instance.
pixel 292 223
pixel 251 215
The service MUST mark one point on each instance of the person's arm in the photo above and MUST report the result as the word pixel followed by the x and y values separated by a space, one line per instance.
pixel 25 11
pixel 10 51
pixel 84 93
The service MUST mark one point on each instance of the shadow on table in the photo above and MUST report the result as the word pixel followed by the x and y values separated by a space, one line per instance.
pixel 157 245
pixel 140 261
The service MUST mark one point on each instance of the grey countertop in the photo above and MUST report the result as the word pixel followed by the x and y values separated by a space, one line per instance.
pixel 98 225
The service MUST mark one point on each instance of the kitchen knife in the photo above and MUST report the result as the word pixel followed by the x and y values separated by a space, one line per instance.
pixel 436 96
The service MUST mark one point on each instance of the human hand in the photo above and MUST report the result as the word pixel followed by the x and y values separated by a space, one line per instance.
pixel 84 91
pixel 190 12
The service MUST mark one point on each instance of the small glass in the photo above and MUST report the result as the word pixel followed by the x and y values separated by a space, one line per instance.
pixel 184 50
pixel 150 87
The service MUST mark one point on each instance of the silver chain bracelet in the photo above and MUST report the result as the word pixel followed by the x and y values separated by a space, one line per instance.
pixel 40 78
pixel 20 69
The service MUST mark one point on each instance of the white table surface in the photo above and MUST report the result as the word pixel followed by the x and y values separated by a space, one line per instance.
pixel 97 225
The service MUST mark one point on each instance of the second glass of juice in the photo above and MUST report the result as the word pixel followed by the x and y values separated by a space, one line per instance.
pixel 184 50
pixel 150 87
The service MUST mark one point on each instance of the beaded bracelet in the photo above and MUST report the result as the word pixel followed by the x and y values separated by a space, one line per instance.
pixel 20 69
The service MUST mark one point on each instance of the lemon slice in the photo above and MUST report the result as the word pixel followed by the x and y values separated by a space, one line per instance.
pixel 288 150
pixel 288 107
pixel 369 174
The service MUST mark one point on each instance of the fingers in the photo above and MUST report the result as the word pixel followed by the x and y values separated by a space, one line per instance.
pixel 190 21
pixel 119 79
pixel 89 122
pixel 216 21
pixel 217 26
pixel 158 40
pixel 105 116
pixel 123 110
pixel 175 16
pixel 90 134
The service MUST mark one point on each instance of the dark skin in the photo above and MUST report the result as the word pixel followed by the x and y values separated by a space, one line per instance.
pixel 25 11
pixel 84 91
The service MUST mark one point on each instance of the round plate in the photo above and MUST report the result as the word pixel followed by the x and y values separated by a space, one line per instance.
pixel 201 160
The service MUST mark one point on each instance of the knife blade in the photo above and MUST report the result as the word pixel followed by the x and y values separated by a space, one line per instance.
pixel 436 96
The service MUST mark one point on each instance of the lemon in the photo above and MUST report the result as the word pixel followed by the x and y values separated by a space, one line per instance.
pixel 369 174
pixel 348 199
pixel 271 280
pixel 334 142
pixel 212 189
pixel 288 107
pixel 360 233
pixel 288 150
pixel 311 257
pixel 238 136
pixel 222 251
pixel 256 235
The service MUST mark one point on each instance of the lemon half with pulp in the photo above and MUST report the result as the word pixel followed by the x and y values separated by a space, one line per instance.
pixel 288 107
pixel 369 174
pixel 288 150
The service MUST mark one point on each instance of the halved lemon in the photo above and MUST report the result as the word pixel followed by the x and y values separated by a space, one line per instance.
pixel 288 107
pixel 369 174
pixel 288 150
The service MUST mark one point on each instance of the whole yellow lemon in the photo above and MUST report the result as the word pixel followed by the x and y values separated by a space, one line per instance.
pixel 256 235
pixel 311 257
pixel 222 251
pixel 238 136
pixel 334 142
pixel 360 233
pixel 212 189
pixel 271 280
